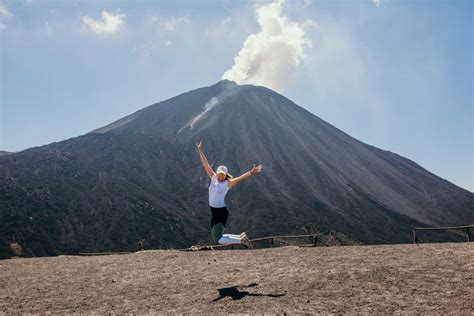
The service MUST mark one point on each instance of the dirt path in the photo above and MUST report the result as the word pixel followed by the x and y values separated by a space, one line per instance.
pixel 418 278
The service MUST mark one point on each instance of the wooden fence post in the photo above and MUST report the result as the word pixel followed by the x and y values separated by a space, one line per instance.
pixel 467 228
pixel 141 245
pixel 315 240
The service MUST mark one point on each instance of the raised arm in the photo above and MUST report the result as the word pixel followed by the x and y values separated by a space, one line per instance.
pixel 204 161
pixel 256 169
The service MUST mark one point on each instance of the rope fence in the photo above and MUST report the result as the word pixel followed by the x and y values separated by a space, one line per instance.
pixel 271 239
pixel 467 228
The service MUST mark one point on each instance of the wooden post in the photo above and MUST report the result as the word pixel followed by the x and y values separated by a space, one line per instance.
pixel 414 236
pixel 468 234
pixel 315 240
pixel 271 241
pixel 141 245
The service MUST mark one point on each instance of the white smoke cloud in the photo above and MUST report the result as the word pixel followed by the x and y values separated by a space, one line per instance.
pixel 267 57
pixel 212 103
pixel 110 23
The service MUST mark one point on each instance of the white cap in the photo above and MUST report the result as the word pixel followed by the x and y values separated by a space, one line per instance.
pixel 222 169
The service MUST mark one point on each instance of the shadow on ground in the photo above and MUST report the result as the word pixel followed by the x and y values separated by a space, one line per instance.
pixel 236 294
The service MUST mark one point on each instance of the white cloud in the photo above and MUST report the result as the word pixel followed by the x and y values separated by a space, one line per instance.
pixel 48 28
pixel 4 12
pixel 309 23
pixel 376 2
pixel 170 24
pixel 169 43
pixel 110 23
pixel 268 57
pixel 226 20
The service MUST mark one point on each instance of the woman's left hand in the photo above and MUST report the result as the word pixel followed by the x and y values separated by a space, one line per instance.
pixel 256 169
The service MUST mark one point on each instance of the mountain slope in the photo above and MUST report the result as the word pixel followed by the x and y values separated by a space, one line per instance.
pixel 140 177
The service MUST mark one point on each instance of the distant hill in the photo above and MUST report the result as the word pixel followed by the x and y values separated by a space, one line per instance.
pixel 2 152
pixel 140 177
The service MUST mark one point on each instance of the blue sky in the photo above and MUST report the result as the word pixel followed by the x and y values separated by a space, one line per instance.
pixel 392 73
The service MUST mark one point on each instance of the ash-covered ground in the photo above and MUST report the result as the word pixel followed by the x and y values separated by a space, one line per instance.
pixel 424 278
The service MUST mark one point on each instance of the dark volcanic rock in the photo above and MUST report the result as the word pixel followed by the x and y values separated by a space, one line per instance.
pixel 140 177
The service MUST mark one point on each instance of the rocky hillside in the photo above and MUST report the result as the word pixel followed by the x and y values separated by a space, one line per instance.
pixel 140 178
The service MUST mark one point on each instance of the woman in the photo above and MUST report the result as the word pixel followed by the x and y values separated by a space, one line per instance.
pixel 221 182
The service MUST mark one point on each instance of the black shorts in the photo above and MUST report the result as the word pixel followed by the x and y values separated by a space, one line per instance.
pixel 219 215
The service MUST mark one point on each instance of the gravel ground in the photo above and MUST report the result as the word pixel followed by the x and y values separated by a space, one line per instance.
pixel 425 278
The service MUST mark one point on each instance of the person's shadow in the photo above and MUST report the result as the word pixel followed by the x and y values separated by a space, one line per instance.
pixel 234 293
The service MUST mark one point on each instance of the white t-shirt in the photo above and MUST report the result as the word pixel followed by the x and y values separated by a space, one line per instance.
pixel 217 192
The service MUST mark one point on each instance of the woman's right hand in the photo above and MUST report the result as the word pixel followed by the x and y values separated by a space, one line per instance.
pixel 199 146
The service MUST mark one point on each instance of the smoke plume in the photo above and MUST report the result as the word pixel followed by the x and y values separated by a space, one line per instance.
pixel 212 103
pixel 268 57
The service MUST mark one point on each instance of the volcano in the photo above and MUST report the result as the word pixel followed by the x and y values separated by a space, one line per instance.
pixel 140 178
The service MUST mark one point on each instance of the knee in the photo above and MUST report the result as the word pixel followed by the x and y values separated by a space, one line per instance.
pixel 216 232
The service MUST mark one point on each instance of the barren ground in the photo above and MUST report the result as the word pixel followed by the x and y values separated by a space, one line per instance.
pixel 396 278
